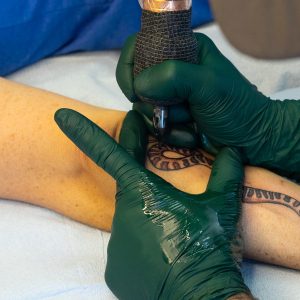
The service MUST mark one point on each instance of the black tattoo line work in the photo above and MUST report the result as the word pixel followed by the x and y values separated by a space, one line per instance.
pixel 159 158
pixel 254 195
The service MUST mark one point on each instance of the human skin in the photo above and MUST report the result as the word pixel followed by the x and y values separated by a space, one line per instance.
pixel 43 167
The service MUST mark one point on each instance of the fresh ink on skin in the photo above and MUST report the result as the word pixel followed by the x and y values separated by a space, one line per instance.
pixel 168 158
pixel 254 195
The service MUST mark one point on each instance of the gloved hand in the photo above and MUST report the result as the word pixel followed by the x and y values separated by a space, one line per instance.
pixel 225 106
pixel 165 244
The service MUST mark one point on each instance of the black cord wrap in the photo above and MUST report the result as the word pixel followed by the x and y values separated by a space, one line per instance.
pixel 164 36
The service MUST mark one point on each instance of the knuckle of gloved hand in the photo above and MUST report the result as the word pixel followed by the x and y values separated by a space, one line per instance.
pixel 204 40
pixel 125 83
pixel 201 37
pixel 130 95
pixel 83 134
pixel 108 156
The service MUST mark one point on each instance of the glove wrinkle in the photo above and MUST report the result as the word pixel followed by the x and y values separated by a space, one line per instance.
pixel 165 244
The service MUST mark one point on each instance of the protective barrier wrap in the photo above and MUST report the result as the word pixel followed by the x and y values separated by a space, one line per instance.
pixel 165 36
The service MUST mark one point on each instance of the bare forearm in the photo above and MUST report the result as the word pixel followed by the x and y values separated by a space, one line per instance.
pixel 39 165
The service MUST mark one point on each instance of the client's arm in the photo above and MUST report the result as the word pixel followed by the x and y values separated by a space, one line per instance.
pixel 40 165
pixel 271 204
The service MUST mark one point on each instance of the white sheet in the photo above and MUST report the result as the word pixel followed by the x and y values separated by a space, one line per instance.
pixel 47 256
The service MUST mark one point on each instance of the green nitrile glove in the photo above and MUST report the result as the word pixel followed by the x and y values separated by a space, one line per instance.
pixel 165 244
pixel 225 106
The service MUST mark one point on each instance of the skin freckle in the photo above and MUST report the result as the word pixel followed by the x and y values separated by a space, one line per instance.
pixel 12 136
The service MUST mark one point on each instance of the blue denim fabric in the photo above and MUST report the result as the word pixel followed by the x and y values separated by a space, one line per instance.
pixel 33 29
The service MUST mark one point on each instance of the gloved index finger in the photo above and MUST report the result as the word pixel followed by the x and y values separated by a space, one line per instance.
pixel 124 72
pixel 97 145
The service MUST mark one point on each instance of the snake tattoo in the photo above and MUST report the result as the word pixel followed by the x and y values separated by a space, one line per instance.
pixel 167 158
pixel 160 158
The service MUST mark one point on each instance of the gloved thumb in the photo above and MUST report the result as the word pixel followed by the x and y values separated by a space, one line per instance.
pixel 226 182
pixel 227 171
pixel 134 136
pixel 98 145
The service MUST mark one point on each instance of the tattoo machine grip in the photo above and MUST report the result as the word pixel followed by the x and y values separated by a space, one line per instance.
pixel 164 35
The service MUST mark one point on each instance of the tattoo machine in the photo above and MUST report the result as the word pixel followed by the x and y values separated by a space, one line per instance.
pixel 165 34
